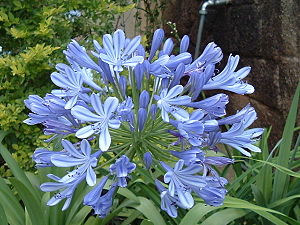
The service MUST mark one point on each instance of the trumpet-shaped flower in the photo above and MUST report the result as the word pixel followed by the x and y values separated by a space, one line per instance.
pixel 100 203
pixel 181 180
pixel 71 82
pixel 67 190
pixel 169 203
pixel 81 157
pixel 117 54
pixel 230 80
pixel 121 168
pixel 103 119
pixel 167 101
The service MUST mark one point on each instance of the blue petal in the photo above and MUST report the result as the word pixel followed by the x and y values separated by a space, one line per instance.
pixel 108 46
pixel 71 102
pixel 174 91
pixel 132 46
pixel 85 147
pixel 104 139
pixel 85 132
pixel 97 105
pixel 51 186
pixel 185 199
pixel 168 47
pixel 84 114
pixel 66 161
pixel 133 61
pixel 90 176
pixel 68 146
pixel 118 42
pixel 110 105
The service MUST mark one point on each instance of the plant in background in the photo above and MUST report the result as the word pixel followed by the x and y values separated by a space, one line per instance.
pixel 31 32
pixel 128 108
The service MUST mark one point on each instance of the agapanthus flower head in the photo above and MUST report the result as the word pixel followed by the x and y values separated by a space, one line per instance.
pixel 123 107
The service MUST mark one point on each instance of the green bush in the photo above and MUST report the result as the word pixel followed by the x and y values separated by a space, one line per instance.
pixel 30 33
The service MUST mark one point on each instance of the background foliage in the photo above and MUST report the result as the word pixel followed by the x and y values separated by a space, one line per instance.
pixel 31 32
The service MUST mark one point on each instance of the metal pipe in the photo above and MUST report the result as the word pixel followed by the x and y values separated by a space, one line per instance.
pixel 203 12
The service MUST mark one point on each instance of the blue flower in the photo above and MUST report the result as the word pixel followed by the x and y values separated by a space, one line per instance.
pixel 169 203
pixel 167 101
pixel 50 107
pixel 230 80
pixel 100 203
pixel 51 112
pixel 238 116
pixel 86 73
pixel 79 55
pixel 124 111
pixel 212 54
pixel 42 157
pixel 117 54
pixel 214 193
pixel 197 156
pixel 181 180
pixel 77 157
pixel 71 82
pixel 239 138
pixel 103 120
pixel 198 78
pixel 214 105
pixel 121 168
pixel 67 190
pixel 191 128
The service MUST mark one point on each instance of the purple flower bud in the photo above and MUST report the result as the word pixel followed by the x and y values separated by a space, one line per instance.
pixel 141 51
pixel 178 74
pixel 168 47
pixel 184 58
pixel 148 160
pixel 123 85
pixel 139 75
pixel 142 117
pixel 153 111
pixel 156 42
pixel 144 99
pixel 184 43
pixel 218 161
pixel 164 83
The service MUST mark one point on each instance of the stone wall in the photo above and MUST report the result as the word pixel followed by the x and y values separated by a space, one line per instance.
pixel 266 34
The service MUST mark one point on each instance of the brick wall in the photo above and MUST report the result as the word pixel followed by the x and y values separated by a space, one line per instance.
pixel 266 34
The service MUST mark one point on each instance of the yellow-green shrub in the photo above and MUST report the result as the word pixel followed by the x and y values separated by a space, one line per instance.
pixel 31 33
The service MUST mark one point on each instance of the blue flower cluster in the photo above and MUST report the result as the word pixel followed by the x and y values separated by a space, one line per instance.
pixel 122 101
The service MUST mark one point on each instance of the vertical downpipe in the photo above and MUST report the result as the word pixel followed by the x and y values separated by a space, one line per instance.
pixel 203 12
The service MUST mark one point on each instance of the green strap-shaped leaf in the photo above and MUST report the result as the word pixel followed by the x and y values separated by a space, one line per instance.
pixel 148 209
pixel 80 216
pixel 17 171
pixel 12 208
pixel 33 206
pixel 225 216
pixel 195 214
pixel 281 178
pixel 3 219
pixel 283 201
